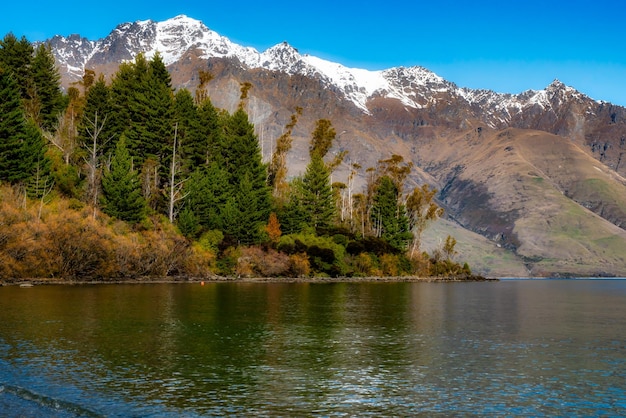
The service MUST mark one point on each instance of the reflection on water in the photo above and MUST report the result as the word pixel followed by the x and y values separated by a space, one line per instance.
pixel 511 347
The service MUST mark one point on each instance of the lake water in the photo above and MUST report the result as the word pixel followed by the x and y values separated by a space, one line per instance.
pixel 518 347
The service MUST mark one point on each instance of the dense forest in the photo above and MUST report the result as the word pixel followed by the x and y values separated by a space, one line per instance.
pixel 129 177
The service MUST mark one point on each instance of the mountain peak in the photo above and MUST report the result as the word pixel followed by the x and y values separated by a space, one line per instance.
pixel 281 56
pixel 557 83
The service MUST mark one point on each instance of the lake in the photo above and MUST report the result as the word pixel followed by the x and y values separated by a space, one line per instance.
pixel 513 347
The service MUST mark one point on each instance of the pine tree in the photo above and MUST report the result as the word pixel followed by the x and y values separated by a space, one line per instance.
pixel 246 175
pixel 292 215
pixel 36 162
pixel 211 134
pixel 388 216
pixel 46 94
pixel 21 145
pixel 143 111
pixel 206 193
pixel 192 144
pixel 158 71
pixel 241 152
pixel 317 194
pixel 243 217
pixel 16 57
pixel 151 129
pixel 123 86
pixel 121 188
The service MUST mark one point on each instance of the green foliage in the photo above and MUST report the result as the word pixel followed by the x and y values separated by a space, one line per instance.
pixel 325 256
pixel 322 138
pixel 193 146
pixel 388 216
pixel 292 215
pixel 46 90
pixel 13 130
pixel 22 147
pixel 142 109
pixel 16 57
pixel 316 196
pixel 206 194
pixel 249 207
pixel 211 240
pixel 188 223
pixel 121 189
pixel 210 140
pixel 98 120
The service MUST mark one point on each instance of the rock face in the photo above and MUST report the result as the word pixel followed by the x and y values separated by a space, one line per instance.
pixel 539 174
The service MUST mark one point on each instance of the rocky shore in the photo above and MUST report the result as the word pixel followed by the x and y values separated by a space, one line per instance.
pixel 223 279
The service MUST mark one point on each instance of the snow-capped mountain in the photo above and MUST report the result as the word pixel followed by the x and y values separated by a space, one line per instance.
pixel 175 37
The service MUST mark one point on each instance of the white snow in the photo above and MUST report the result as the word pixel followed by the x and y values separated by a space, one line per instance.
pixel 412 86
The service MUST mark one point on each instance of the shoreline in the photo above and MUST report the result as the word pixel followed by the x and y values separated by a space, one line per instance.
pixel 220 279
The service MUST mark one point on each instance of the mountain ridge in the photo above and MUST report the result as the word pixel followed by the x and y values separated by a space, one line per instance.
pixel 174 37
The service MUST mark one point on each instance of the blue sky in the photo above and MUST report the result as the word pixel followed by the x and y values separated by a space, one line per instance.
pixel 506 46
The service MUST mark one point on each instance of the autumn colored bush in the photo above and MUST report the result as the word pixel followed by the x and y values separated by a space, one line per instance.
pixel 364 265
pixel 199 262
pixel 299 265
pixel 68 242
pixel 256 262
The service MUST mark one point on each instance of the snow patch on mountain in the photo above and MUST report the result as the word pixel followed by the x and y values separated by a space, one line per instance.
pixel 413 86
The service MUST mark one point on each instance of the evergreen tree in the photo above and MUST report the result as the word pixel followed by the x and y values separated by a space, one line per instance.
pixel 230 216
pixel 206 194
pixel 16 57
pixel 34 146
pixel 143 101
pixel 211 135
pixel 192 144
pixel 46 94
pixel 242 218
pixel 151 130
pixel 388 216
pixel 246 175
pixel 22 147
pixel 158 71
pixel 317 194
pixel 188 223
pixel 292 215
pixel 241 152
pixel 123 86
pixel 121 188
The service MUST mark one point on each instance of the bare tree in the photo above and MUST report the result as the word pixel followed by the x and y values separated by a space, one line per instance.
pixel 94 129
pixel 175 194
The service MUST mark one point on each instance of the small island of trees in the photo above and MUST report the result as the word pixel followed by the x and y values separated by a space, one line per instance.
pixel 130 178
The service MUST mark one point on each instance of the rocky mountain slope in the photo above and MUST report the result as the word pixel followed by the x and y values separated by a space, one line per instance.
pixel 539 176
